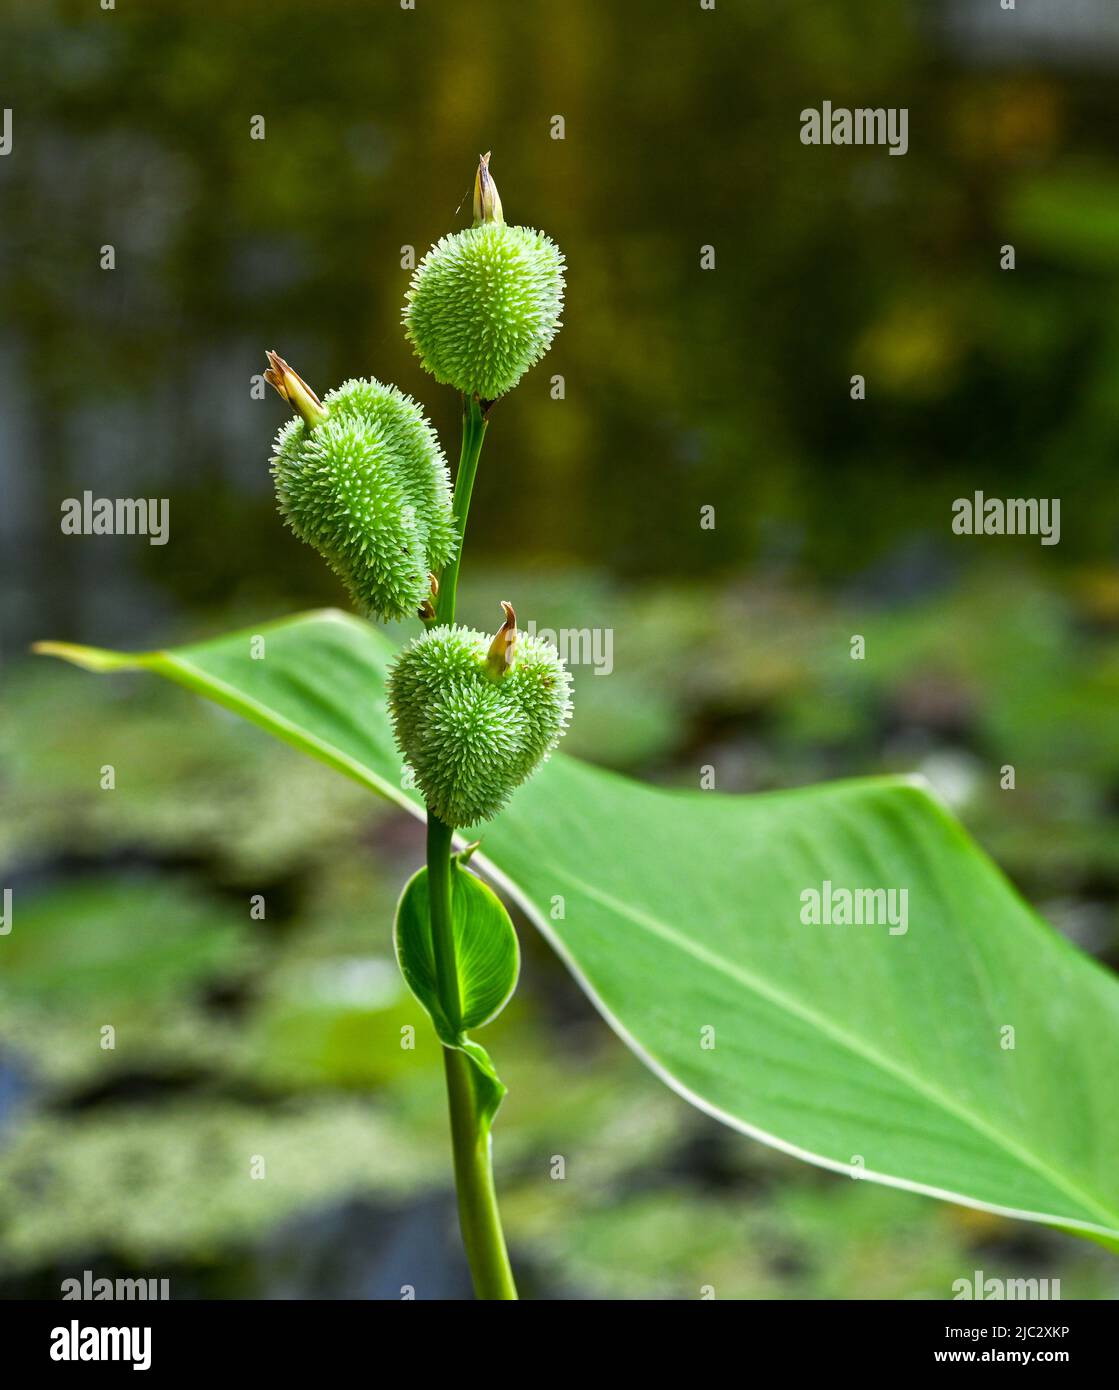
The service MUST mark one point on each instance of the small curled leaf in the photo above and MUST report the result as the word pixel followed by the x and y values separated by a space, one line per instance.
pixel 488 960
pixel 486 951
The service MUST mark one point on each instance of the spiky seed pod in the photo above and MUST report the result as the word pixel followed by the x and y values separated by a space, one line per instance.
pixel 364 481
pixel 485 303
pixel 474 717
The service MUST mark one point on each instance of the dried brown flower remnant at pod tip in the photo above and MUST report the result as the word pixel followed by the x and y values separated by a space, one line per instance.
pixel 503 648
pixel 294 390
pixel 487 202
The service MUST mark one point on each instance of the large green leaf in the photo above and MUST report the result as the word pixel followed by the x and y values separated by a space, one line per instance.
pixel 879 1054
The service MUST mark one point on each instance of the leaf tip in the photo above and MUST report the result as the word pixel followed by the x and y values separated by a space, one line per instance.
pixel 88 658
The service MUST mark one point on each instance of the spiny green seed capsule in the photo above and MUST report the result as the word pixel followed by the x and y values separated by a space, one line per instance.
pixel 474 716
pixel 361 477
pixel 485 303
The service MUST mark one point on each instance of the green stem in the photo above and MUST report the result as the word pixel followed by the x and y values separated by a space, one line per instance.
pixel 478 1215
pixel 470 1136
pixel 442 920
pixel 473 433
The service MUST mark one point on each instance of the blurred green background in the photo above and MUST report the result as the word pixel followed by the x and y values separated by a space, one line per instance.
pixel 683 388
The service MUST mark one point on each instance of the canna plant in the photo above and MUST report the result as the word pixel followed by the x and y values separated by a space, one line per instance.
pixel 963 1050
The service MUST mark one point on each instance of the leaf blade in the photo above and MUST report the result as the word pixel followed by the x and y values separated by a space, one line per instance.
pixel 270 691
pixel 487 954
pixel 488 961
pixel 825 1045
pixel 997 1171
